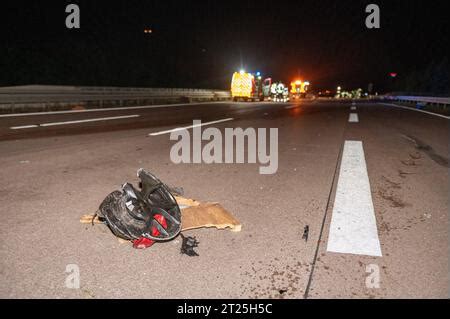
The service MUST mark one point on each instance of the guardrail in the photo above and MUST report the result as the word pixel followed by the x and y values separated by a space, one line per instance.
pixel 34 98
pixel 438 101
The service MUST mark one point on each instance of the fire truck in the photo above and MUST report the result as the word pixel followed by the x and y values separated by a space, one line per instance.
pixel 299 89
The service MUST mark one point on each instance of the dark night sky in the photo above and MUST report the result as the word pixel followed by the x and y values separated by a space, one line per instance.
pixel 200 43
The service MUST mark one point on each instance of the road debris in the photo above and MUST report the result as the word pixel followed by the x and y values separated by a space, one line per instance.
pixel 194 214
pixel 188 245
pixel 151 212
pixel 306 233
pixel 204 215
pixel 145 216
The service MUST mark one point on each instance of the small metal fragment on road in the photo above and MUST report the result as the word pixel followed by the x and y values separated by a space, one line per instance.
pixel 282 291
pixel 306 233
pixel 188 245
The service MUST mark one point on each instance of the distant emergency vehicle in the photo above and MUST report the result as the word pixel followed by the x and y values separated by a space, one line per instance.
pixel 249 87
pixel 299 89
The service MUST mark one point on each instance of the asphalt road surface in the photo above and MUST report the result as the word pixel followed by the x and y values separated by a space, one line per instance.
pixel 57 167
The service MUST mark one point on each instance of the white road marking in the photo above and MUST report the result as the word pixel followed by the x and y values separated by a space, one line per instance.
pixel 353 228
pixel 417 110
pixel 353 108
pixel 353 118
pixel 291 106
pixel 23 126
pixel 74 122
pixel 107 109
pixel 190 126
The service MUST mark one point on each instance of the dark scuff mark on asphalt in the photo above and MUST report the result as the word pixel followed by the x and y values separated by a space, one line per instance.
pixel 409 162
pixel 427 149
pixel 403 174
pixel 391 184
pixel 389 196
pixel 273 279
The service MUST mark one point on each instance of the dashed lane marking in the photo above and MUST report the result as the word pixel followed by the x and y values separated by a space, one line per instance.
pixel 353 228
pixel 190 126
pixel 23 127
pixel 74 122
pixel 353 118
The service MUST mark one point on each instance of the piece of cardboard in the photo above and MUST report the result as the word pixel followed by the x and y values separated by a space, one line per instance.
pixel 208 215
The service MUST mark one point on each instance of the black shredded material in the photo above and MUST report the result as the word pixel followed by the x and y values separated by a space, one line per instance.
pixel 188 245
pixel 306 233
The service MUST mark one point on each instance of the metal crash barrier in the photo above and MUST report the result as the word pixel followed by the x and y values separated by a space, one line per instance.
pixel 35 98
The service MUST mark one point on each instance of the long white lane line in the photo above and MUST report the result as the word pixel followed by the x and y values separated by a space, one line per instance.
pixel 417 110
pixel 23 126
pixel 91 120
pixel 74 122
pixel 353 108
pixel 190 126
pixel 108 109
pixel 353 228
pixel 353 118
pixel 292 106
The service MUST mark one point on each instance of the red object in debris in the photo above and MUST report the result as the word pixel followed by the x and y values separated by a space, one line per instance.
pixel 144 242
